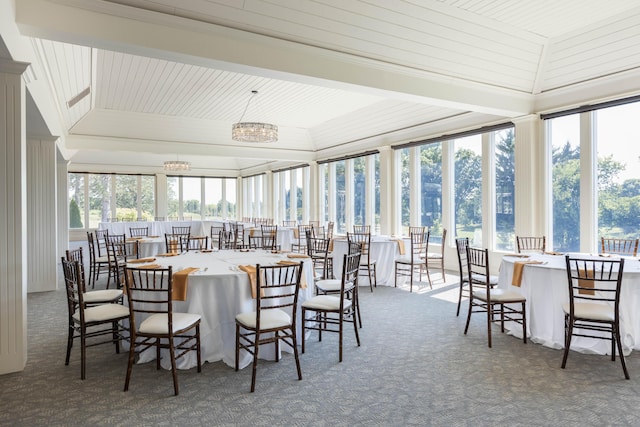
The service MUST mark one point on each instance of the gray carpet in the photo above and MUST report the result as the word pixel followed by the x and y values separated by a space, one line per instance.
pixel 415 367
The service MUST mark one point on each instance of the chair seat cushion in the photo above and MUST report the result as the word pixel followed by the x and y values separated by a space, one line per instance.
pixel 499 295
pixel 590 310
pixel 493 280
pixel 331 285
pixel 269 319
pixel 103 313
pixel 432 255
pixel 406 259
pixel 159 323
pixel 102 259
pixel 104 295
pixel 325 302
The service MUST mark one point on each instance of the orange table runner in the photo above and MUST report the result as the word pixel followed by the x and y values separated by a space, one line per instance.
pixel 518 268
pixel 401 248
pixel 180 282
pixel 303 279
pixel 253 278
pixel 140 261
pixel 586 284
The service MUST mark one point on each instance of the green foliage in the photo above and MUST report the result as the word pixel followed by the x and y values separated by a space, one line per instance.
pixel 75 219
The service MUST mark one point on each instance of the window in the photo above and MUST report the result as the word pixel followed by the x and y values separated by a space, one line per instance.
pixel 213 197
pixel 99 199
pixel 360 193
pixel 565 181
pixel 340 198
pixel 126 197
pixel 504 144
pixel 618 171
pixel 431 187
pixel 405 189
pixel 173 197
pixel 230 198
pixel 76 200
pixel 468 188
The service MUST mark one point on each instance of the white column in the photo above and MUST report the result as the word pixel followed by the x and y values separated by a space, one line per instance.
pixel 62 208
pixel 13 218
pixel 530 204
pixel 293 195
pixel 268 196
pixel 314 195
pixel 306 191
pixel 588 184
pixel 332 195
pixel 349 196
pixel 488 191
pixel 448 190
pixel 415 196
pixel 370 192
pixel 239 200
pixel 41 215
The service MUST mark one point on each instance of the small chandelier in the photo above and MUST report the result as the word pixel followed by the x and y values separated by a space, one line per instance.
pixel 177 166
pixel 253 131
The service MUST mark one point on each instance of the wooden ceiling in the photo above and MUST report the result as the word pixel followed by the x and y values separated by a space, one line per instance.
pixel 336 76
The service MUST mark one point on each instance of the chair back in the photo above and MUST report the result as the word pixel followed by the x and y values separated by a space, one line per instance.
pixel 92 247
pixel 330 230
pixel 531 244
pixel 302 232
pixel 289 223
pixel 74 286
pixel 238 234
pixel 317 248
pixel 149 292
pixel 174 242
pixel 461 246
pixel 101 242
pixel 184 230
pixel 362 239
pixel 314 224
pixel 417 229
pixel 226 239
pixel 138 231
pixel 619 246
pixel 350 268
pixel 419 246
pixel 75 255
pixel 199 243
pixel 362 229
pixel 594 281
pixel 278 288
pixel 215 235
pixel 269 237
pixel 478 271
pixel 117 255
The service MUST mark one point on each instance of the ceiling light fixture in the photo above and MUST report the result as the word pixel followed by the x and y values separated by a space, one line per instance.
pixel 253 131
pixel 177 166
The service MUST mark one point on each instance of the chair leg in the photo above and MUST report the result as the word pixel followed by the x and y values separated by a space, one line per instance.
pixel 616 330
pixel 444 278
pixel 69 342
pixel 83 353
pixel 428 276
pixel 198 355
pixel 395 280
pixel 466 327
pixel 567 340
pixel 340 328
pixel 132 353
pixel 355 328
pixel 304 323
pixel 524 323
pixel 238 346
pixel 370 281
pixel 174 370
pixel 295 353
pixel 255 361
pixel 460 297
pixel 489 318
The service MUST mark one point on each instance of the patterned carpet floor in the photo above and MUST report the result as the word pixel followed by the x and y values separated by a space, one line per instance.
pixel 414 367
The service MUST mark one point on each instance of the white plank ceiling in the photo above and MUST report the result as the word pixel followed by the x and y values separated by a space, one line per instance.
pixel 140 102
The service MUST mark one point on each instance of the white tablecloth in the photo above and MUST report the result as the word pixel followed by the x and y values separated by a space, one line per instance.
pixel 546 289
pixel 157 228
pixel 383 249
pixel 218 295
pixel 284 236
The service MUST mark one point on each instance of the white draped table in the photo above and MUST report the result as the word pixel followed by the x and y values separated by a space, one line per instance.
pixel 546 289
pixel 218 292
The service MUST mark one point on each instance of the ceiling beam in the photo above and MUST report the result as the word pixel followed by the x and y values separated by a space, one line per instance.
pixel 120 28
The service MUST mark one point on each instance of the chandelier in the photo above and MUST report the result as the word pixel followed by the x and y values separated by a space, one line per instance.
pixel 177 165
pixel 253 131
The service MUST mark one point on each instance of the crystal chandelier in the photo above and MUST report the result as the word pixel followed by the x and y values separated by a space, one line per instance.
pixel 253 131
pixel 177 165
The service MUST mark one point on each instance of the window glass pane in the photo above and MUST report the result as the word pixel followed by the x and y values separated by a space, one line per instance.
pixel 286 179
pixel 468 188
pixel 172 197
pixel 405 190
pixel 212 197
pixel 76 200
pixel 299 190
pixel 340 225
pixel 147 197
pixel 618 171
pixel 565 178
pixel 431 188
pixel 191 195
pixel 126 197
pixel 376 189
pixel 99 199
pixel 360 192
pixel 505 189
pixel 324 174
pixel 230 194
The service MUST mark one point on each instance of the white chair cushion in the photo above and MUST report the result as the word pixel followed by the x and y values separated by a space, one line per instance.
pixel 406 259
pixel 159 323
pixel 590 310
pixel 102 313
pixel 269 319
pixel 432 255
pixel 325 302
pixel 499 295
pixel 331 285
pixel 103 259
pixel 105 295
pixel 493 280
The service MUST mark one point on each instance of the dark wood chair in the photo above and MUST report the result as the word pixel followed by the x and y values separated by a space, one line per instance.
pixel 289 223
pixel 268 239
pixel 531 244
pixel 118 253
pixel 174 242
pixel 436 259
pixel 367 264
pixel 414 262
pixel 329 312
pixel 97 264
pixel 139 231
pixel 184 230
pixel 300 240
pixel 88 323
pixel 593 309
pixel 101 242
pixel 318 251
pixel 461 247
pixel 198 243
pixel 496 303
pixel 101 296
pixel 214 233
pixel 276 302
pixel 362 229
pixel 154 323
pixel 619 246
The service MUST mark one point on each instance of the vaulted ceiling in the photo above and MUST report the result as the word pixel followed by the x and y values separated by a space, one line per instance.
pixel 135 82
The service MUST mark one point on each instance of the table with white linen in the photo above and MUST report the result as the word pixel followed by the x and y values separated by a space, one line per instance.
pixel 384 250
pixel 150 246
pixel 218 292
pixel 156 228
pixel 545 287
pixel 284 236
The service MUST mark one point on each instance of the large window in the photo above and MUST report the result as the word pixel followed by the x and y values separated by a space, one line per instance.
pixel 341 198
pixel 565 178
pixel 618 165
pixel 95 198
pixel 504 144
pixel 405 189
pixel 431 187
pixel 201 197
pixel 359 192
pixel 468 188
pixel 212 198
